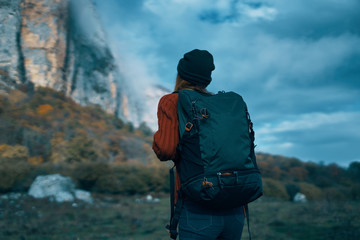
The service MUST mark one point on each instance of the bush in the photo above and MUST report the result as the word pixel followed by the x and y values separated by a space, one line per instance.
pixel 355 192
pixel 92 176
pixel 311 191
pixel 274 188
pixel 132 184
pixel 108 184
pixel 133 179
pixel 15 177
pixel 292 190
pixel 334 194
pixel 86 174
pixel 121 178
pixel 13 154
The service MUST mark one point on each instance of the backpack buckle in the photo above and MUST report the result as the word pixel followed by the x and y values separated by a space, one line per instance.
pixel 188 126
pixel 204 113
pixel 207 184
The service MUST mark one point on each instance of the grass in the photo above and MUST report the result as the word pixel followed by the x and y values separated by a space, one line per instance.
pixel 132 218
pixel 320 220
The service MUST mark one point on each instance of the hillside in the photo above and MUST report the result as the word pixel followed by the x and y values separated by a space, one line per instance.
pixel 42 131
pixel 283 177
pixel 51 127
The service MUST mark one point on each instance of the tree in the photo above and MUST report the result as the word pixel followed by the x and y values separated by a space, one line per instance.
pixel 354 171
pixel 298 173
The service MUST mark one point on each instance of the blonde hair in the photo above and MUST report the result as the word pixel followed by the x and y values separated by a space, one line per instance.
pixel 182 84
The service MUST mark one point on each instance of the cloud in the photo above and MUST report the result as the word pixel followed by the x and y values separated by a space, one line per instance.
pixel 301 19
pixel 313 136
pixel 296 64
pixel 311 121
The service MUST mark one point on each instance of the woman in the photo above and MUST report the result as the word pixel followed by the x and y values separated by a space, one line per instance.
pixel 196 222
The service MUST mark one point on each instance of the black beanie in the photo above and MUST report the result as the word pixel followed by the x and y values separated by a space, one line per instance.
pixel 196 67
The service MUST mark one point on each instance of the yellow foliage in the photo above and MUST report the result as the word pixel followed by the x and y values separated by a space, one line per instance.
pixel 4 148
pixel 44 109
pixel 13 154
pixel 58 148
pixel 36 160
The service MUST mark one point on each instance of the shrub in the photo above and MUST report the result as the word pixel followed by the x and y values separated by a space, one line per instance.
pixel 160 179
pixel 292 190
pixel 15 177
pixel 36 160
pixel 311 191
pixel 355 192
pixel 131 179
pixel 274 188
pixel 13 154
pixel 132 184
pixel 354 170
pixel 86 174
pixel 334 194
pixel 109 183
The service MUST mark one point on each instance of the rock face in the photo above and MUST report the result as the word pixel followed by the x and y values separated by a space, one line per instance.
pixel 10 57
pixel 43 41
pixel 62 189
pixel 60 44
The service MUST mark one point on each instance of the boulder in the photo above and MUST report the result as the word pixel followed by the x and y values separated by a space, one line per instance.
pixel 83 196
pixel 300 198
pixel 57 187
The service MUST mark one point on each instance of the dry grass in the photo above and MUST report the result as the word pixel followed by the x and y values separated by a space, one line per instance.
pixel 132 218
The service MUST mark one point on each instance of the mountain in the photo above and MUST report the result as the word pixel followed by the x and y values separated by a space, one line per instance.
pixel 61 44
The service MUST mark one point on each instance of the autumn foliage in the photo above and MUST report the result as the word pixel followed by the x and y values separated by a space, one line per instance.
pixel 284 177
pixel 44 132
pixel 52 128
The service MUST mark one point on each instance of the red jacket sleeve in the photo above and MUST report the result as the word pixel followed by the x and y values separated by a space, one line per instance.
pixel 166 138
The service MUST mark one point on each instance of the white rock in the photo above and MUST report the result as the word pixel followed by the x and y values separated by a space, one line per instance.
pixel 54 185
pixel 64 197
pixel 83 196
pixel 149 198
pixel 300 198
pixel 59 188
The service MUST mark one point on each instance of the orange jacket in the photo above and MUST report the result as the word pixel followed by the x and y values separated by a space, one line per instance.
pixel 166 138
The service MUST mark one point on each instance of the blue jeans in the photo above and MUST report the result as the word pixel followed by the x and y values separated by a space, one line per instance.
pixel 198 223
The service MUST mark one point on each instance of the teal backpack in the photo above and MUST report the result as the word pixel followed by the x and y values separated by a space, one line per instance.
pixel 217 166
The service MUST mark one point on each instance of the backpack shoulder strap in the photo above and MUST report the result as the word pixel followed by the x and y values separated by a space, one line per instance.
pixel 175 210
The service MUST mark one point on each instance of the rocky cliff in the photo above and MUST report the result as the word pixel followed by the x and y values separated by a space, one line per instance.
pixel 11 62
pixel 61 44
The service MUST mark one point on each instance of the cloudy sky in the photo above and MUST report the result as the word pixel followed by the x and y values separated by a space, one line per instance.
pixel 296 63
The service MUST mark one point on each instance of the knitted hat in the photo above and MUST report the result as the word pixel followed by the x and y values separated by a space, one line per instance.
pixel 196 67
